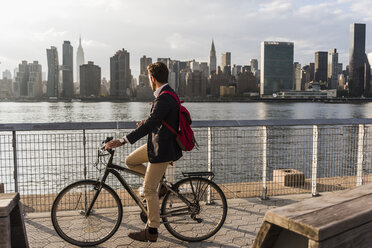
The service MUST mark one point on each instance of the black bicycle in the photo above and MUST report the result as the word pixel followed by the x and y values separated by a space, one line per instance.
pixel 89 212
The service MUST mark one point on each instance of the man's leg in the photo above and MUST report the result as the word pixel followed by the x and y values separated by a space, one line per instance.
pixel 135 160
pixel 154 173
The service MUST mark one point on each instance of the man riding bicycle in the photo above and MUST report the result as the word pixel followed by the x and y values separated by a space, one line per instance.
pixel 161 148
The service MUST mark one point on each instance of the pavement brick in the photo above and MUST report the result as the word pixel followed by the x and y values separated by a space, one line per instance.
pixel 242 224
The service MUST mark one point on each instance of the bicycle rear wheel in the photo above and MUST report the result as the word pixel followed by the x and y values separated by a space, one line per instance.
pixel 202 217
pixel 69 216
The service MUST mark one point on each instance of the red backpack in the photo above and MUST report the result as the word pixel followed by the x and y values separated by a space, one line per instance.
pixel 185 136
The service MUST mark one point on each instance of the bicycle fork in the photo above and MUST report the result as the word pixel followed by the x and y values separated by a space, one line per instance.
pixel 98 188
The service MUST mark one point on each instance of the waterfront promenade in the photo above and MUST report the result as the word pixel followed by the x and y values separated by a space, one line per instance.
pixel 243 221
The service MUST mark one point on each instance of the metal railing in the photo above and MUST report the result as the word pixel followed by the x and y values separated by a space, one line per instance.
pixel 251 158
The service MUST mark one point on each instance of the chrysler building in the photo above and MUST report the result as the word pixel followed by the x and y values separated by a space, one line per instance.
pixel 212 60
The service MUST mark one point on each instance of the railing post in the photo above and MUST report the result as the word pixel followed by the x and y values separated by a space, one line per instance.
pixel 314 191
pixel 15 172
pixel 360 155
pixel 209 150
pixel 264 163
pixel 85 155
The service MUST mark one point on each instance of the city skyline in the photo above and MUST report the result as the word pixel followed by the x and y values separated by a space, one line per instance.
pixel 237 27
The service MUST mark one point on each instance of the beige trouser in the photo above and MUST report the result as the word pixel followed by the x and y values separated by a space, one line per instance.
pixel 153 174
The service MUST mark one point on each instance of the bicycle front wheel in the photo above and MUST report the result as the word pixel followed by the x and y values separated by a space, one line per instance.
pixel 201 216
pixel 72 221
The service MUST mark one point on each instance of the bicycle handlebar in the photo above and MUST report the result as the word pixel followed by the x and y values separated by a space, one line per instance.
pixel 108 139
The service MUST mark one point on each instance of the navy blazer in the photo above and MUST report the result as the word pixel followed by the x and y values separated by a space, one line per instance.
pixel 161 142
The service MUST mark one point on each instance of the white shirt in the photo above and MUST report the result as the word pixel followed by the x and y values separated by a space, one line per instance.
pixel 156 94
pixel 157 91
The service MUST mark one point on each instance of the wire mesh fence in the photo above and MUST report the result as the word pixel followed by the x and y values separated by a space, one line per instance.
pixel 248 161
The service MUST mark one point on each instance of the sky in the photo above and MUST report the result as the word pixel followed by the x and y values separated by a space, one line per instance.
pixel 178 29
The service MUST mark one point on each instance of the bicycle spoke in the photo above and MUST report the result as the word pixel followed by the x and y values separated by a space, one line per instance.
pixel 202 220
pixel 69 214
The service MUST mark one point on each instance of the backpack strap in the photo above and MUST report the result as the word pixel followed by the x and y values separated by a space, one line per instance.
pixel 172 94
pixel 179 104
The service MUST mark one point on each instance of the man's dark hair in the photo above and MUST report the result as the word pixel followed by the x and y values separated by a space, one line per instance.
pixel 159 71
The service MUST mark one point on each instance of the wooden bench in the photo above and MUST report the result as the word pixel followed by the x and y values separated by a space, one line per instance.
pixel 338 219
pixel 12 227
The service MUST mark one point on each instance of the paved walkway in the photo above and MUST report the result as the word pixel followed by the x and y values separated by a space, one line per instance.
pixel 243 221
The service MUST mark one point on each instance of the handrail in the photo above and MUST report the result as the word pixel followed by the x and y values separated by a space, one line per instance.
pixel 195 124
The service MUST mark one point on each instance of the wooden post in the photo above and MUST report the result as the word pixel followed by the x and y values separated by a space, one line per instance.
pixel 12 226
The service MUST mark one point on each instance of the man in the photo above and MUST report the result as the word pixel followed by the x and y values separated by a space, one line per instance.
pixel 161 148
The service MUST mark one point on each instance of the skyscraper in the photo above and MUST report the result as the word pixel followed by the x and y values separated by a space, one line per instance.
pixel 120 74
pixel 276 67
pixel 307 75
pixel 143 79
pixel 53 72
pixel 212 60
pixel 321 66
pixel 90 79
pixel 226 63
pixel 195 85
pixel 79 60
pixel 7 74
pixel 67 70
pixel 21 79
pixel 34 84
pixel 144 62
pixel 297 76
pixel 254 65
pixel 333 69
pixel 359 80
pixel 28 80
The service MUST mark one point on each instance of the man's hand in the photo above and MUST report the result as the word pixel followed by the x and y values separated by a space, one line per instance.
pixel 113 144
pixel 140 123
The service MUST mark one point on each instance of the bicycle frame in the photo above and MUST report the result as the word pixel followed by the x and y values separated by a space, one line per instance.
pixel 113 169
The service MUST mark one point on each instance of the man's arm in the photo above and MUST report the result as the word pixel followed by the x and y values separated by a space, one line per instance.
pixel 160 110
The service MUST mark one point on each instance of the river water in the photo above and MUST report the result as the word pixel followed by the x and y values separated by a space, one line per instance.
pixel 43 112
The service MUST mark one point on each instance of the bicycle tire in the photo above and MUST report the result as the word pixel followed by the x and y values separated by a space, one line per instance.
pixel 68 213
pixel 200 221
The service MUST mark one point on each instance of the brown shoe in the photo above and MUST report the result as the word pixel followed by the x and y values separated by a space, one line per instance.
pixel 143 236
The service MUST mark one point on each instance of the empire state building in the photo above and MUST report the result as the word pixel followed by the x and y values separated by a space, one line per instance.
pixel 79 60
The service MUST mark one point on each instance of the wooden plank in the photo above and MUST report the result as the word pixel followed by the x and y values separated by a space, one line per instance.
pixel 266 236
pixel 315 204
pixel 320 218
pixel 357 237
pixel 7 203
pixel 338 218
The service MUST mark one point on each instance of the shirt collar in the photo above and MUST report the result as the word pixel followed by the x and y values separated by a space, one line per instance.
pixel 157 91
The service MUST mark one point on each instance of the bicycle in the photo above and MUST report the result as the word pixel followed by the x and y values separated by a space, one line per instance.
pixel 89 212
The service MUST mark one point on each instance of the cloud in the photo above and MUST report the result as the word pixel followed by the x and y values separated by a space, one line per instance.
pixel 180 42
pixel 362 8
pixel 93 44
pixel 47 35
pixel 180 29
pixel 275 7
